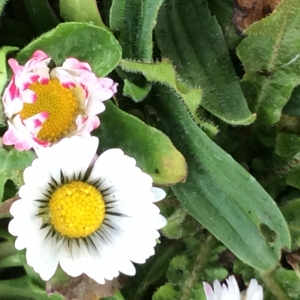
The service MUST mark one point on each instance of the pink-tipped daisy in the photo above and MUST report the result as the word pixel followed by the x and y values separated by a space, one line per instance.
pixel 44 105
pixel 88 214
pixel 231 291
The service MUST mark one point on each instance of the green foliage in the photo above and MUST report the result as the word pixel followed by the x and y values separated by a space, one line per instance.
pixel 135 20
pixel 80 11
pixel 219 192
pixel 9 289
pixel 12 165
pixel 97 46
pixel 223 11
pixel 270 55
pixel 153 151
pixel 187 270
pixel 203 61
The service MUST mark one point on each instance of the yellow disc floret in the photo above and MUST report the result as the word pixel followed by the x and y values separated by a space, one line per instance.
pixel 76 209
pixel 59 102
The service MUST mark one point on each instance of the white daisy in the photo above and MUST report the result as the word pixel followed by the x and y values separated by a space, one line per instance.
pixel 89 214
pixel 232 291
pixel 44 105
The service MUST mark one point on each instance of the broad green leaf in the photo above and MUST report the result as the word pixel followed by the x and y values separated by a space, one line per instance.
pixel 192 39
pixel 271 57
pixel 80 11
pixel 153 151
pixel 41 15
pixel 3 77
pixel 220 193
pixel 135 20
pixel 12 165
pixel 86 42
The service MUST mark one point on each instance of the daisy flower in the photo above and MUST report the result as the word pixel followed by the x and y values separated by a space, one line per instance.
pixel 232 291
pixel 88 214
pixel 44 105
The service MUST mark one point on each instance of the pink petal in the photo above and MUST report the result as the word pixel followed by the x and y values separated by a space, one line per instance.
pixel 16 68
pixel 209 293
pixel 73 63
pixel 35 122
pixel 28 96
pixel 40 55
pixel 9 137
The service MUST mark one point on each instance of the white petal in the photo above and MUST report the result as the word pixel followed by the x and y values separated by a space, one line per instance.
pixel 158 193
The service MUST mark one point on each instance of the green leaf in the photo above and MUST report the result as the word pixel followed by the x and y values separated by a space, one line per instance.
pixel 3 77
pixel 188 35
pixel 2 5
pixel 281 284
pixel 292 108
pixel 84 41
pixel 12 166
pixel 80 11
pixel 186 271
pixel 271 57
pixel 174 228
pixel 164 73
pixel 23 287
pixel 153 151
pixel 41 15
pixel 220 193
pixel 223 11
pixel 291 214
pixel 135 20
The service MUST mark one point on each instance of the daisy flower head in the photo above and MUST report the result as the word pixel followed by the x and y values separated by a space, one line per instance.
pixel 90 215
pixel 44 105
pixel 231 291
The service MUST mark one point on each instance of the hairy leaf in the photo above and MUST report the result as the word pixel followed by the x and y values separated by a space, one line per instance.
pixel 135 20
pixel 220 193
pixel 97 46
pixel 189 36
pixel 271 57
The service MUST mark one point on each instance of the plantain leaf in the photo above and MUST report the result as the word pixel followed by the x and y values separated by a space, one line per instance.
pixel 221 194
pixel 153 151
pixel 83 41
pixel 271 57
pixel 187 34
pixel 135 20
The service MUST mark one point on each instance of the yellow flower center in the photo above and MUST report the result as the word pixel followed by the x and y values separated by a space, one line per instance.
pixel 76 209
pixel 62 105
